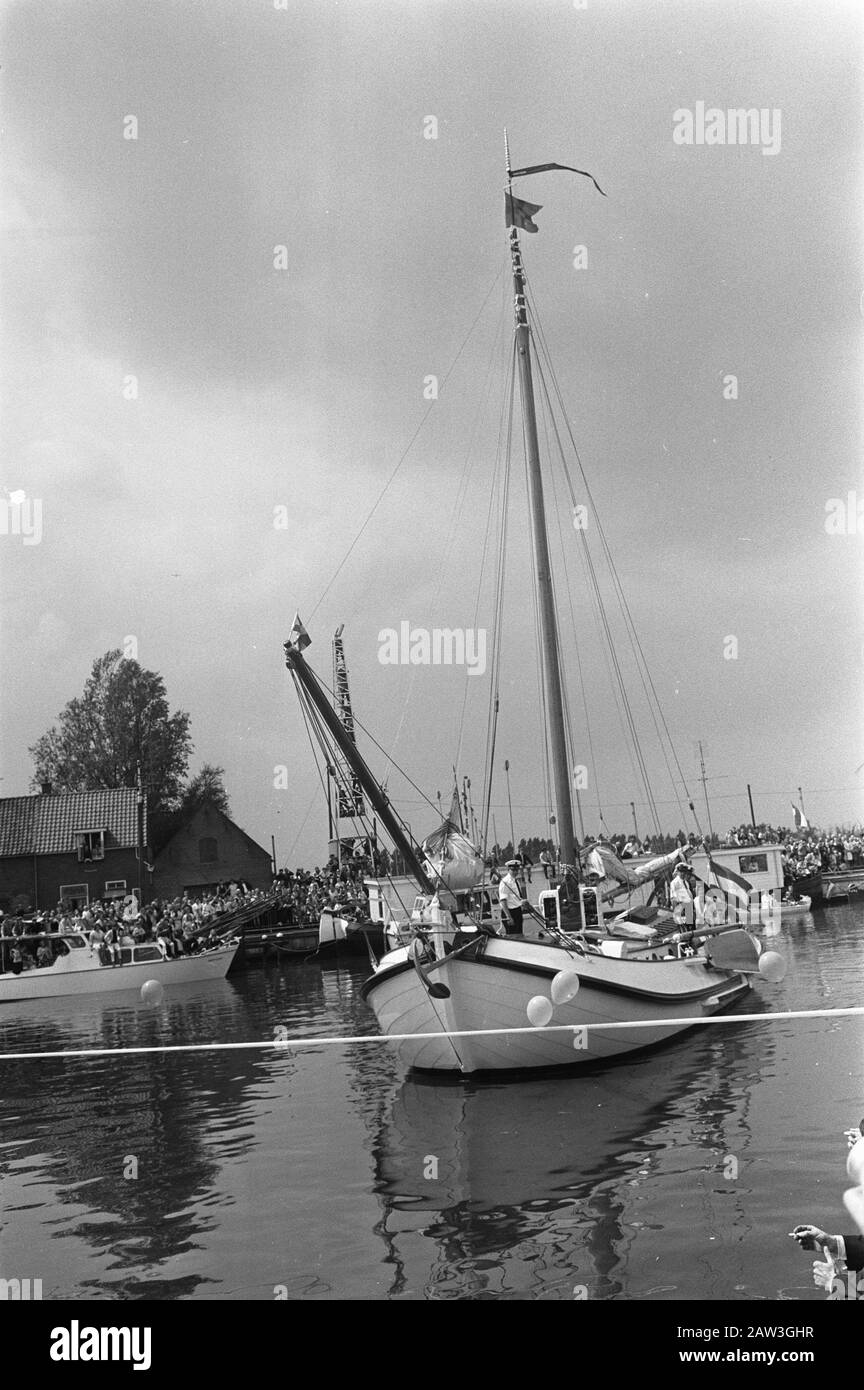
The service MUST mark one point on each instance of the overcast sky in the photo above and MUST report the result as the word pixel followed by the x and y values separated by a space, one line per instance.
pixel 260 388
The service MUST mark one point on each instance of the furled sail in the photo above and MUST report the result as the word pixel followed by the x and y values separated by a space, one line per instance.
pixel 452 859
pixel 602 860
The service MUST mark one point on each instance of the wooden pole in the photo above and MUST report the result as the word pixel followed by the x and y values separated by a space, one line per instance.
pixel 546 604
pixel 752 812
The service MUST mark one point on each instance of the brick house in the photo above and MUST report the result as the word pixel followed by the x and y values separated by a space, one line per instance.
pixel 72 846
pixel 208 849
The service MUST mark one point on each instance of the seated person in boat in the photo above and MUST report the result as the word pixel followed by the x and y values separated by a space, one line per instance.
pixel 111 946
pixel 44 957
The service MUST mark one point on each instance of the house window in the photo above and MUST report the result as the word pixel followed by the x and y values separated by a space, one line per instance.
pixel 91 845
pixel 115 888
pixel 74 894
pixel 208 850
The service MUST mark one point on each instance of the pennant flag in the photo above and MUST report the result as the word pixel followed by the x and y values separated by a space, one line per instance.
pixel 298 637
pixel 518 213
pixel 731 882
pixel 801 821
pixel 542 168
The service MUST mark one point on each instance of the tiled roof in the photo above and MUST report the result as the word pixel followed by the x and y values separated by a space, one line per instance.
pixel 46 824
pixel 16 825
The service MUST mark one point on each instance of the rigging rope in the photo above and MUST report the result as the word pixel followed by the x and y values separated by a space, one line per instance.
pixel 427 412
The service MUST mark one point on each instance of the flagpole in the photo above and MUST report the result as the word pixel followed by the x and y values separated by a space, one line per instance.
pixel 752 812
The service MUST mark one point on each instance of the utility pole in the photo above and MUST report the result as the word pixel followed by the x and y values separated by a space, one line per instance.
pixel 704 782
pixel 140 836
pixel 510 804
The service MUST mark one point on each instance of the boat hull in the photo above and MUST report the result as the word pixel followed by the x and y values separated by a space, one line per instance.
pixel 56 983
pixel 492 991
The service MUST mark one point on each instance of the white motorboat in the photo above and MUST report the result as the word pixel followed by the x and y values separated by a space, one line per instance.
pixel 78 969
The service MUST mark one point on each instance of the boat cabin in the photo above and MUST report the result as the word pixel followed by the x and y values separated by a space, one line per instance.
pixel 31 951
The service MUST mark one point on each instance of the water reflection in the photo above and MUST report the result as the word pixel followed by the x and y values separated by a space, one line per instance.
pixel 312 1170
pixel 525 1188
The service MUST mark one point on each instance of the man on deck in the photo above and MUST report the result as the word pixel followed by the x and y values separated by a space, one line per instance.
pixel 510 898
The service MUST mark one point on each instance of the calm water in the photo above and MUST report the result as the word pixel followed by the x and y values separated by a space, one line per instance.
pixel 306 1169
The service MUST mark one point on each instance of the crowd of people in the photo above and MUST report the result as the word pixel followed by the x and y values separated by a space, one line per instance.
pixel 187 922
pixel 805 851
pixel 180 925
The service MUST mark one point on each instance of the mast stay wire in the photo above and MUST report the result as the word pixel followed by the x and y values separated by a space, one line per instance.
pixel 607 646
pixel 538 653
pixel 461 493
pixel 630 627
pixel 498 609
pixel 500 477
pixel 425 416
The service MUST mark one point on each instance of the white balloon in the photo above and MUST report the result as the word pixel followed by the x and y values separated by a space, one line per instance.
pixel 152 992
pixel 539 1011
pixel 565 986
pixel 772 967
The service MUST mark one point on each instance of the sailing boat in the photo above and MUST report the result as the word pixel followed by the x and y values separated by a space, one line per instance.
pixel 460 996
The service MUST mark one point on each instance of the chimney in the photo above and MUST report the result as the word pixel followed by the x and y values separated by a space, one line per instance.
pixel 46 788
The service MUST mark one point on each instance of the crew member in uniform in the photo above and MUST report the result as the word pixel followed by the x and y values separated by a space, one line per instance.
pixel 510 898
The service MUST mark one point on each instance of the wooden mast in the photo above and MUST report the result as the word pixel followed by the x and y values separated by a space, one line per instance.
pixel 548 623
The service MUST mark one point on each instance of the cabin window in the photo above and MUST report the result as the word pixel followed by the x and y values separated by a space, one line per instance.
pixel 91 845
pixel 74 894
pixel 753 863
pixel 208 850
pixel 147 953
pixel 115 888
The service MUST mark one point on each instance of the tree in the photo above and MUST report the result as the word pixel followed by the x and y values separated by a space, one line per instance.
pixel 121 719
pixel 206 788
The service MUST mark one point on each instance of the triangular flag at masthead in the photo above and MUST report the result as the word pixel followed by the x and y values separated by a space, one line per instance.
pixel 518 213
pixel 542 168
pixel 298 638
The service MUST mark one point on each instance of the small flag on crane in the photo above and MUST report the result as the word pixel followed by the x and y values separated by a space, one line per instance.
pixel 298 637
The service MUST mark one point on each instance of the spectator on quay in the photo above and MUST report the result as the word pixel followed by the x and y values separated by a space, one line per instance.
pixel 843 1253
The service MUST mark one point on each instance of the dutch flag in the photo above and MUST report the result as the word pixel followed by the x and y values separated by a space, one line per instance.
pixel 730 882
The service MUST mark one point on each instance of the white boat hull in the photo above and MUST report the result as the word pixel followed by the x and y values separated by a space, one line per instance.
pixel 493 992
pixel 56 981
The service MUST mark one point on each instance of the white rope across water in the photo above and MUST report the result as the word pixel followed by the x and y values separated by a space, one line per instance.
pixel 282 1043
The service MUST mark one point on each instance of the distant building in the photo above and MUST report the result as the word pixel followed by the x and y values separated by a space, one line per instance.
pixel 205 850
pixel 70 846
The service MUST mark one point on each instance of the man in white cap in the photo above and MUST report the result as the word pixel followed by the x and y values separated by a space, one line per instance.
pixel 511 900
pixel 685 908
